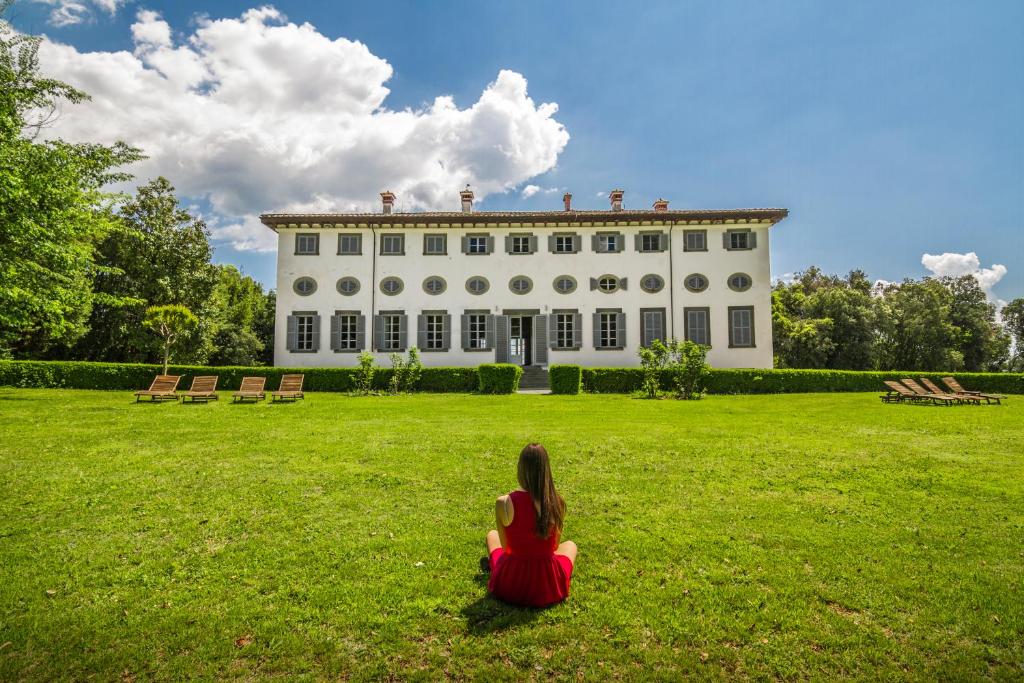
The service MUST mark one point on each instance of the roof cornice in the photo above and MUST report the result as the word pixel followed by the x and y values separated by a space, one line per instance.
pixel 456 219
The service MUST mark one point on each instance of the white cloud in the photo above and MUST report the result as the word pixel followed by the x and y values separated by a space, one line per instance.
pixel 531 190
pixel 956 265
pixel 601 194
pixel 70 12
pixel 260 114
pixel 248 234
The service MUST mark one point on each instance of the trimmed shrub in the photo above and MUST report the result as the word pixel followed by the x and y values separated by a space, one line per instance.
pixel 753 381
pixel 566 379
pixel 499 378
pixel 130 376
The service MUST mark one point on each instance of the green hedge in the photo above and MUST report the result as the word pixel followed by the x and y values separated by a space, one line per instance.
pixel 499 378
pixel 752 381
pixel 566 379
pixel 130 376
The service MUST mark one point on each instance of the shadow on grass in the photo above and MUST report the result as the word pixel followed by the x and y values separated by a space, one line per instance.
pixel 489 615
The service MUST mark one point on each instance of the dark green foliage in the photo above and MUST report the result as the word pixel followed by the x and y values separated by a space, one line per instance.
pixel 499 378
pixel 753 381
pixel 566 379
pixel 127 376
pixel 1013 319
pixel 688 369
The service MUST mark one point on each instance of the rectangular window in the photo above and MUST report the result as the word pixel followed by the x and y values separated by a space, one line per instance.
pixel 350 244
pixel 392 332
pixel 434 332
pixel 695 240
pixel 304 333
pixel 609 242
pixel 652 325
pixel 564 244
pixel 741 326
pixel 565 330
pixel 476 244
pixel 650 241
pixel 307 244
pixel 348 331
pixel 740 240
pixel 435 244
pixel 392 245
pixel 609 334
pixel 477 330
pixel 520 244
pixel 697 329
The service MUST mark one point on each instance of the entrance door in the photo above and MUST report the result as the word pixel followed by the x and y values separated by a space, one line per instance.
pixel 520 350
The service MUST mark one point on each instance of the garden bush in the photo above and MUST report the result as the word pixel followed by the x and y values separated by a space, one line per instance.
pixel 566 379
pixel 499 378
pixel 130 376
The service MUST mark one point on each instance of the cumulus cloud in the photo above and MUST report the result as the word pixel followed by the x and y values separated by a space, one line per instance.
pixel 70 12
pixel 531 190
pixel 258 114
pixel 956 265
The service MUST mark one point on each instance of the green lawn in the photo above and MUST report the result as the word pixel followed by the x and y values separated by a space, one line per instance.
pixel 802 536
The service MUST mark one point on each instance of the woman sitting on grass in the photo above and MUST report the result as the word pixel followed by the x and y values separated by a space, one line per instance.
pixel 528 565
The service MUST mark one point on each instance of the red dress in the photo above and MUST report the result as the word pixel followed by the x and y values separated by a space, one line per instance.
pixel 528 572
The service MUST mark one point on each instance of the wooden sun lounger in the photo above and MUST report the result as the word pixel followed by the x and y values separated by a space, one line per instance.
pixel 204 388
pixel 290 389
pixel 931 386
pixel 163 388
pixel 252 388
pixel 958 390
pixel 899 393
pixel 945 399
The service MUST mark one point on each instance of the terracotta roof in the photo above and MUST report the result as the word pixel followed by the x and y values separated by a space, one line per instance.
pixel 271 220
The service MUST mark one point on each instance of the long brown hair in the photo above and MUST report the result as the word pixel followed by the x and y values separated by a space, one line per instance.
pixel 535 477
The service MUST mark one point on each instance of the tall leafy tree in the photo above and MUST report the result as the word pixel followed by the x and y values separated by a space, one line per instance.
pixel 915 331
pixel 159 254
pixel 983 343
pixel 1013 324
pixel 237 306
pixel 52 206
pixel 170 322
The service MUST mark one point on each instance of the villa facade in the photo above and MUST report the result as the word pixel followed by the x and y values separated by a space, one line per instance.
pixel 532 288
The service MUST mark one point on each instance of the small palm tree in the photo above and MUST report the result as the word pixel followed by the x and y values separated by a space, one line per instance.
pixel 169 322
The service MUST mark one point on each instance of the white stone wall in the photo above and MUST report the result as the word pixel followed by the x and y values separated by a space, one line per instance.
pixel 717 264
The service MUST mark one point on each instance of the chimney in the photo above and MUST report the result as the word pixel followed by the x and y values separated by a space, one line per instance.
pixel 467 200
pixel 661 205
pixel 567 200
pixel 387 198
pixel 616 197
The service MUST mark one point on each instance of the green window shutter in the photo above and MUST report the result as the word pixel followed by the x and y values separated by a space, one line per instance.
pixel 623 282
pixel 421 331
pixel 540 340
pixel 508 244
pixel 551 243
pixel 465 244
pixel 316 332
pixel 662 241
pixel 620 329
pixel 593 284
pixel 464 321
pixel 292 340
pixel 595 244
pixel 725 239
pixel 403 332
pixel 378 332
pixel 335 332
pixel 552 331
pixel 360 332
pixel 638 242
pixel 501 340
pixel 577 243
pixel 620 242
pixel 577 330
pixel 660 327
pixel 597 330
pixel 446 332
pixel 490 244
pixel 489 331
pixel 752 240
pixel 533 244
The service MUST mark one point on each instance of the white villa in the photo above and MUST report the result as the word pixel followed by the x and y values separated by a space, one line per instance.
pixel 528 287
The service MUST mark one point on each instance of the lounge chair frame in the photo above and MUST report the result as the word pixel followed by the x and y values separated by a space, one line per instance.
pixel 163 388
pixel 251 388
pixel 955 387
pixel 944 399
pixel 290 389
pixel 203 389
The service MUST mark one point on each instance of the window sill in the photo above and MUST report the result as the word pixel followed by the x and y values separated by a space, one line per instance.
pixel 435 253
pixel 401 350
pixel 302 351
pixel 490 348
pixel 693 251
pixel 393 254
pixel 747 346
pixel 306 253
pixel 609 348
pixel 434 350
pixel 567 348
pixel 347 350
pixel 349 253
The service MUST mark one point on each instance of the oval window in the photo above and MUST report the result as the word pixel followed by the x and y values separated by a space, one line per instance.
pixel 304 286
pixel 608 283
pixel 740 282
pixel 652 283
pixel 391 286
pixel 477 285
pixel 434 285
pixel 565 284
pixel 696 282
pixel 520 284
pixel 348 286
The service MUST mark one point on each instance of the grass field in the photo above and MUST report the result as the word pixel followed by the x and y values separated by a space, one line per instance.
pixel 802 536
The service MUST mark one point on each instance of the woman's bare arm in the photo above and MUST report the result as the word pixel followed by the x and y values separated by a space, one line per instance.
pixel 503 513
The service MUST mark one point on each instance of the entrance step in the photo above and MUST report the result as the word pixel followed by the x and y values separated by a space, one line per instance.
pixel 534 377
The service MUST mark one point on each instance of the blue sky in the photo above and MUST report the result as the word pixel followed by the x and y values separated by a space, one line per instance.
pixel 889 130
